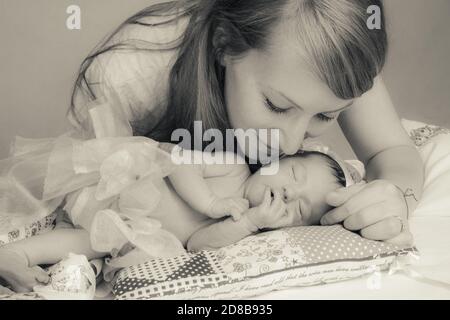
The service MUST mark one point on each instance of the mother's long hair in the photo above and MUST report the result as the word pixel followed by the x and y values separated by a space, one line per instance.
pixel 340 48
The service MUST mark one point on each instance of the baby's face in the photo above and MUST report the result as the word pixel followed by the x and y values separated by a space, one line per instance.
pixel 304 181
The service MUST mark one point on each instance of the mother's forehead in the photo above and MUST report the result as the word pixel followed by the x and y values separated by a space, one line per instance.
pixel 283 70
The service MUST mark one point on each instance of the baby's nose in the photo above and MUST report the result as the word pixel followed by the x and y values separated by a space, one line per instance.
pixel 290 193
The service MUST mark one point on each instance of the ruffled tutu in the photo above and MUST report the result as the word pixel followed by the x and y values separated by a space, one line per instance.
pixel 107 185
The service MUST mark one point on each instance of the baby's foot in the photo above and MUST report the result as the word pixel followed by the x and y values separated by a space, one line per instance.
pixel 15 270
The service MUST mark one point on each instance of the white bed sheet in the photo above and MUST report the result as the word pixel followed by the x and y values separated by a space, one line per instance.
pixel 432 238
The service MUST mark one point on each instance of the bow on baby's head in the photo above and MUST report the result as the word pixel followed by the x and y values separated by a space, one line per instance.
pixel 353 170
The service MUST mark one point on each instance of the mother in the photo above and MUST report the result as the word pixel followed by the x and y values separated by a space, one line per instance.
pixel 295 65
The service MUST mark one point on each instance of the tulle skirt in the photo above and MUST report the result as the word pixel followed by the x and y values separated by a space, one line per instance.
pixel 106 185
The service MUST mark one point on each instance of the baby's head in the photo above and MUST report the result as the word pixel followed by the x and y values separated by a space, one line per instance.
pixel 304 180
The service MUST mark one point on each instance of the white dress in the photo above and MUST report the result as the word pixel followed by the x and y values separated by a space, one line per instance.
pixel 102 176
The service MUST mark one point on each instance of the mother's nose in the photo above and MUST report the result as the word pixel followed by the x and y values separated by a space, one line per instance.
pixel 292 147
pixel 293 137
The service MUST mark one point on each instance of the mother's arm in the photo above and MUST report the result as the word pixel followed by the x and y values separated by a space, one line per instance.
pixel 373 129
pixel 394 169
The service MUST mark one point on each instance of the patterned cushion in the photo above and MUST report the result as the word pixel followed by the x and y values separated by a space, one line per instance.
pixel 9 234
pixel 301 256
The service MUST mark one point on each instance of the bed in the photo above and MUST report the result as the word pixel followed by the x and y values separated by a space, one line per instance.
pixel 429 276
pixel 245 270
pixel 432 240
pixel 424 274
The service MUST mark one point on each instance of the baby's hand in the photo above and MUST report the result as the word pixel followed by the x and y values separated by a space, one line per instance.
pixel 271 213
pixel 228 207
pixel 15 271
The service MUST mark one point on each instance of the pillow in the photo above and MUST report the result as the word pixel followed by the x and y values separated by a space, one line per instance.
pixel 433 143
pixel 430 222
pixel 301 256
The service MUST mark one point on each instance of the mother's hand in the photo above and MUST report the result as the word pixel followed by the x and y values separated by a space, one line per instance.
pixel 377 210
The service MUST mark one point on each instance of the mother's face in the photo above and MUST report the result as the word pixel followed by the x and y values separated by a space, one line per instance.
pixel 275 89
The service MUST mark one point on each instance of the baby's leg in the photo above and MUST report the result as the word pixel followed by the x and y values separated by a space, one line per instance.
pixel 15 270
pixel 19 260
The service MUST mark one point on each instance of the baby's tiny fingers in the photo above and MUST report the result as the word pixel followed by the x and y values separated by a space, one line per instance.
pixel 282 219
pixel 234 212
pixel 244 204
pixel 267 197
pixel 277 200
pixel 241 204
pixel 236 215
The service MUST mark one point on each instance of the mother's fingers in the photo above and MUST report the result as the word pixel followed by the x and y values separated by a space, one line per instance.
pixel 384 230
pixel 342 195
pixel 351 207
pixel 403 239
pixel 367 217
pixel 361 196
pixel 337 215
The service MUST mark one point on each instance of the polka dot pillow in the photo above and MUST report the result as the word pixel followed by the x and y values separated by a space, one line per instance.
pixel 301 256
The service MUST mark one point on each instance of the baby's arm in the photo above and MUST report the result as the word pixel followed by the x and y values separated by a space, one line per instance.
pixel 221 234
pixel 271 213
pixel 19 260
pixel 189 182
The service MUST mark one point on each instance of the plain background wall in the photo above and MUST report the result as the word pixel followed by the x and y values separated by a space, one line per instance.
pixel 39 59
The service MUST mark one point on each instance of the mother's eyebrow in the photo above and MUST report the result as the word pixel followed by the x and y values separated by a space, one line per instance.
pixel 341 109
pixel 299 107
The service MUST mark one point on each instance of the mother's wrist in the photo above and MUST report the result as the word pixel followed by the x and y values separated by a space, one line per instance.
pixel 410 199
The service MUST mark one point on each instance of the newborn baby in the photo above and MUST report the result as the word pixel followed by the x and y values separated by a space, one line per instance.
pixel 205 207
pixel 295 196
